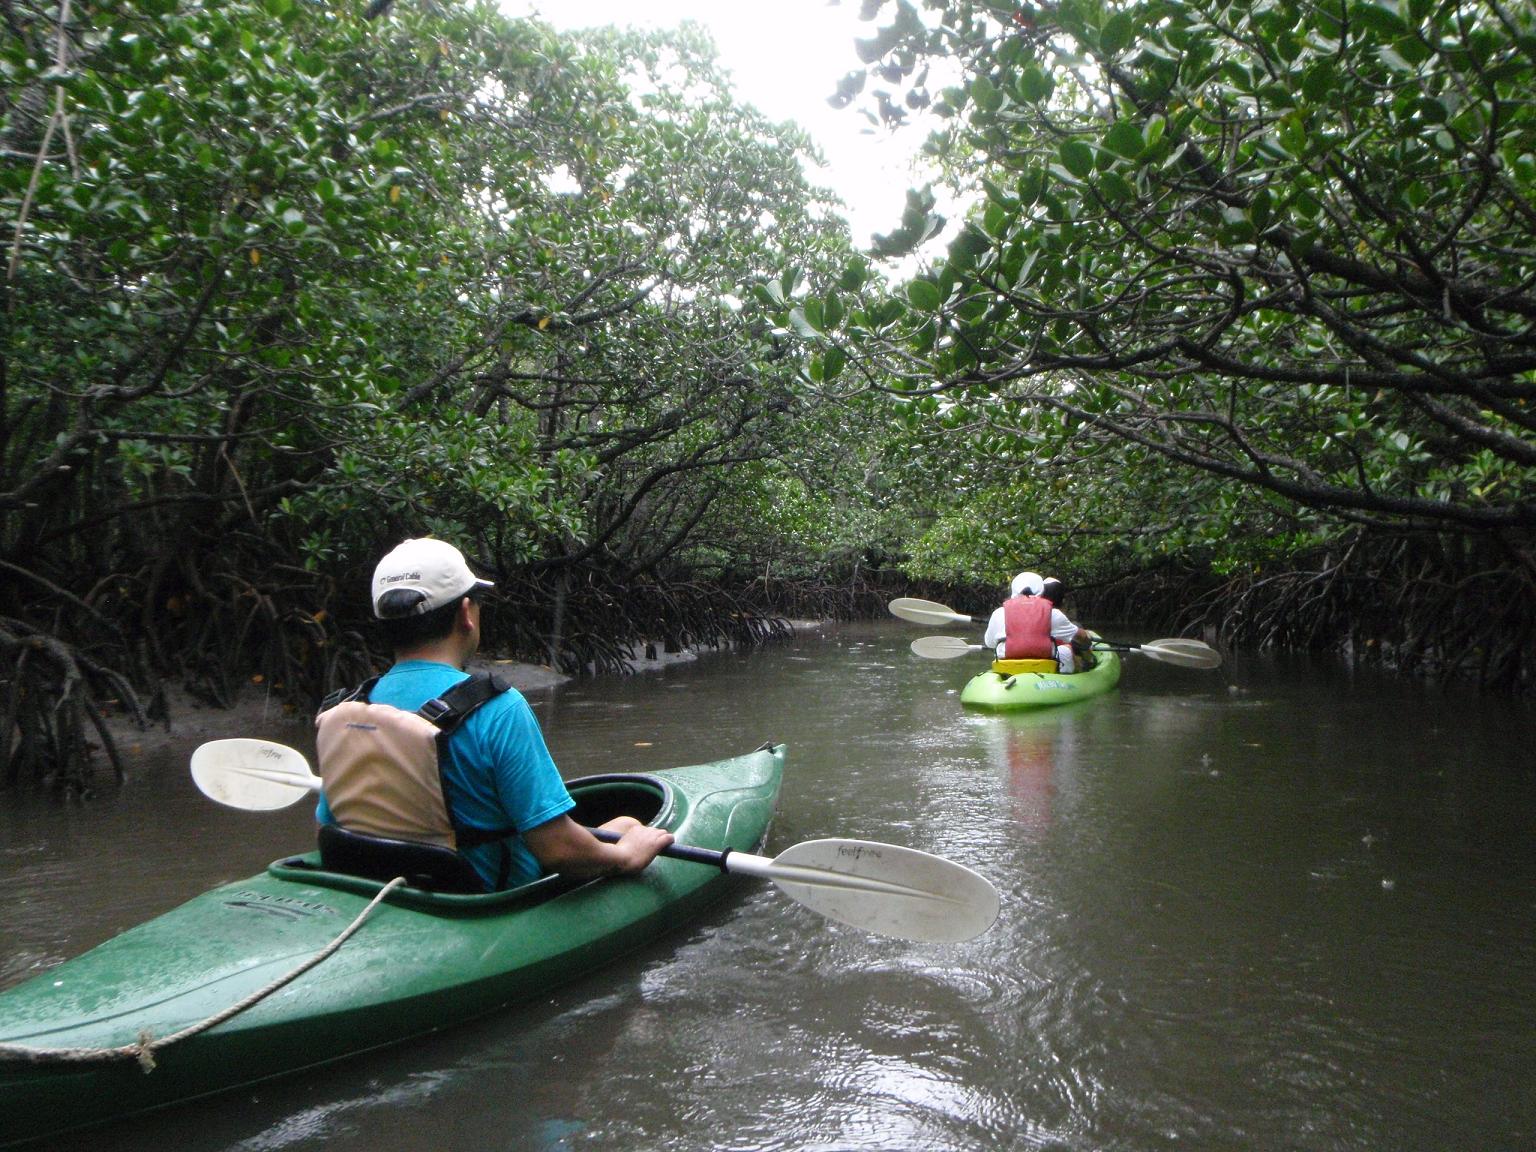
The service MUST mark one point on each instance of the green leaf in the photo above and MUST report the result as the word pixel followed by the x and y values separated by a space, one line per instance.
pixel 1261 208
pixel 884 41
pixel 1317 82
pixel 1076 158
pixel 1378 18
pixel 924 295
pixel 833 361
pixel 998 195
pixel 986 94
pixel 1117 34
pixel 1035 85
pixel 1115 188
pixel 1413 49
pixel 1292 132
pixel 1125 138
pixel 970 243
pixel 1031 184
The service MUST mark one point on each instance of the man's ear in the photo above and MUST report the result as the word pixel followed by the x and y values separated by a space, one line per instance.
pixel 465 616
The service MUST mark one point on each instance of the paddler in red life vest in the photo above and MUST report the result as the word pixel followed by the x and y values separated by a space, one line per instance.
pixel 1030 626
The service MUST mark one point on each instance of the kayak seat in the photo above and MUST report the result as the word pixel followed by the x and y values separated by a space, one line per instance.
pixel 1016 667
pixel 428 866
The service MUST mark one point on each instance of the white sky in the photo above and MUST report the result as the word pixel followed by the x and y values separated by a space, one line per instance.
pixel 785 57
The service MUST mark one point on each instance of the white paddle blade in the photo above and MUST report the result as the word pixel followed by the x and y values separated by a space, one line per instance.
pixel 925 612
pixel 256 775
pixel 942 647
pixel 1181 643
pixel 886 889
pixel 1185 652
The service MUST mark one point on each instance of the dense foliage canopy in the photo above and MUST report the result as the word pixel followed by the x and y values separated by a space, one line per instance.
pixel 286 283
pixel 1235 327
pixel 1239 283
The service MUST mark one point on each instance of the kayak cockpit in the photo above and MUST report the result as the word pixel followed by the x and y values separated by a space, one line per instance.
pixel 439 879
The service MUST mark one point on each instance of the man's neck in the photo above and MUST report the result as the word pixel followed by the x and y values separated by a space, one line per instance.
pixel 438 652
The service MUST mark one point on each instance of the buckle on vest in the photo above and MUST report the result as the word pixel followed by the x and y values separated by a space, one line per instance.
pixel 434 710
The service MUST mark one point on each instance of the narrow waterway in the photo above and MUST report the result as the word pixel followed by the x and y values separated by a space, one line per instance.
pixel 1276 906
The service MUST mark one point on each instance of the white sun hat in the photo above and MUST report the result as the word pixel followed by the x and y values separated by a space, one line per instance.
pixel 433 568
pixel 1028 584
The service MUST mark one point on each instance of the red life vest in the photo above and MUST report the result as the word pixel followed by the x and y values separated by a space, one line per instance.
pixel 1027 628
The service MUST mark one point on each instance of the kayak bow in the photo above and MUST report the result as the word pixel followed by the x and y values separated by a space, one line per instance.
pixel 421 962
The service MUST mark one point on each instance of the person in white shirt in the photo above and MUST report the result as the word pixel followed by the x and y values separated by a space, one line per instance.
pixel 1040 628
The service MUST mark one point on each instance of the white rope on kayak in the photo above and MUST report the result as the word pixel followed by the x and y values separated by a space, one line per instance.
pixel 144 1048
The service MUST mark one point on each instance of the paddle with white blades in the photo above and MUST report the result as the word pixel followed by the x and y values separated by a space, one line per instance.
pixel 1176 650
pixel 925 611
pixel 1180 650
pixel 256 775
pixel 943 647
pixel 881 888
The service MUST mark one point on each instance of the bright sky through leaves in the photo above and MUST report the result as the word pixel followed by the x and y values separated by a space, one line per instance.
pixel 786 58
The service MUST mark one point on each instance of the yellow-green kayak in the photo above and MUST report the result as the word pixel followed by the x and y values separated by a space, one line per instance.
pixel 999 691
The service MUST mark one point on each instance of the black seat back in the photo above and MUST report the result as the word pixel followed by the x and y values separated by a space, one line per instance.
pixel 426 866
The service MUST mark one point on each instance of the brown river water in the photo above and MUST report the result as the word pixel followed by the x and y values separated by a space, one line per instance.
pixel 1281 905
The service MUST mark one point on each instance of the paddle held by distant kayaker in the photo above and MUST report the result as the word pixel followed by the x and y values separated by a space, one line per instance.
pixel 429 755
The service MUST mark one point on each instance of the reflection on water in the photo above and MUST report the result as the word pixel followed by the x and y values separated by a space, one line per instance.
pixel 1274 906
pixel 1036 754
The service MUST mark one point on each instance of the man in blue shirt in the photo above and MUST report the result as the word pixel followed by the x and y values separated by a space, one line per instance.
pixel 496 772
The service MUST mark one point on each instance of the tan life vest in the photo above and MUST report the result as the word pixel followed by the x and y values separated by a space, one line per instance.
pixel 381 765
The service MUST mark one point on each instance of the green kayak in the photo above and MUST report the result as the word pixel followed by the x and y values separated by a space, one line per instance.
pixel 419 962
pixel 1005 692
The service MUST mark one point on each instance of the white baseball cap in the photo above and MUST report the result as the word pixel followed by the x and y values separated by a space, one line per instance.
pixel 434 568
pixel 1028 584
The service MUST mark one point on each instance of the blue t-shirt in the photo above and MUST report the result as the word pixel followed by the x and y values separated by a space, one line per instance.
pixel 498 774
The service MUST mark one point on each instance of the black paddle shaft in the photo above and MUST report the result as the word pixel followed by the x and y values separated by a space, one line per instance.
pixel 675 851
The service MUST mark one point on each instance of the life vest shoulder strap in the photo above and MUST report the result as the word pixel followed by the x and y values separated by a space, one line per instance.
pixel 445 712
pixel 342 695
pixel 453 707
